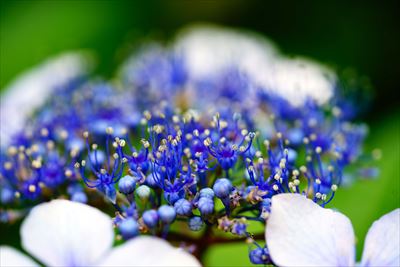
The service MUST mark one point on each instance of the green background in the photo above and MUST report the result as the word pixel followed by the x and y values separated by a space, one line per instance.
pixel 360 35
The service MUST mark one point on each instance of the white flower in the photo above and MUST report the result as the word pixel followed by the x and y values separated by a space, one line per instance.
pixel 31 89
pixel 301 233
pixel 208 50
pixel 64 233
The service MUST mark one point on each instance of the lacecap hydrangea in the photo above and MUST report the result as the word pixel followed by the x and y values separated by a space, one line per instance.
pixel 196 136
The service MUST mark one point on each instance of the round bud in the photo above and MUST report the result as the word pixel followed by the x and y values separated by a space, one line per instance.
pixel 206 205
pixel 128 228
pixel 79 196
pixel 207 192
pixel 222 188
pixel 183 207
pixel 167 214
pixel 259 256
pixel 195 223
pixel 7 195
pixel 143 192
pixel 150 218
pixel 127 185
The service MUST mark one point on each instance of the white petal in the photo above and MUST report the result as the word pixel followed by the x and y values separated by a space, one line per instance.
pixel 149 251
pixel 299 79
pixel 211 49
pixel 10 257
pixel 301 233
pixel 31 89
pixel 382 244
pixel 66 233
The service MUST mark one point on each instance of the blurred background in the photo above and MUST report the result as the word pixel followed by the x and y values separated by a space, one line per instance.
pixel 362 36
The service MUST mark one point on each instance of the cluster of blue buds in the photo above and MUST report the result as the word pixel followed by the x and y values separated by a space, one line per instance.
pixel 170 151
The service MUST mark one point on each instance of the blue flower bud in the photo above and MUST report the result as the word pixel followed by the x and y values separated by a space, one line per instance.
pixel 7 195
pixel 239 228
pixel 143 192
pixel 183 207
pixel 127 184
pixel 167 214
pixel 79 196
pixel 292 156
pixel 207 192
pixel 222 188
pixel 206 205
pixel 259 256
pixel 195 223
pixel 150 218
pixel 128 228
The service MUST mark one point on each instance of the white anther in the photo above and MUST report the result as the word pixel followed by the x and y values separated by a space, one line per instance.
pixel 317 181
pixel 103 171
pixel 334 187
pixel 147 115
pixel 258 154
pixel 207 141
pixel 94 146
pixel 12 150
pixel 68 173
pixel 207 132
pixel 188 136
pixel 244 132
pixel 32 188
pixel 277 177
pixel 109 130
pixel 306 140
pixel 122 143
pixel 124 160
pixel 222 140
pixel 318 195
pixel 83 163
pixel 260 160
pixel 313 137
pixel 223 124
pixel 242 148
pixel 85 134
pixel 296 173
pixel 296 182
pixel 275 187
pixel 76 165
pixel 303 169
pixel 196 132
pixel 7 165
pixel 44 132
pixel 318 150
pixel 37 164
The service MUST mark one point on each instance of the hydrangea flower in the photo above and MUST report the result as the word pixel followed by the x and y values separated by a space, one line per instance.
pixel 65 233
pixel 196 136
pixel 301 233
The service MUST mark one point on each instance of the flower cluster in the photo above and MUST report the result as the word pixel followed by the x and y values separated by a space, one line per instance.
pixel 171 147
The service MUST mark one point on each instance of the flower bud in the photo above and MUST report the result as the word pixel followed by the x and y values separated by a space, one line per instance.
pixel 167 214
pixel 195 223
pixel 128 228
pixel 127 184
pixel 183 207
pixel 222 188
pixel 150 218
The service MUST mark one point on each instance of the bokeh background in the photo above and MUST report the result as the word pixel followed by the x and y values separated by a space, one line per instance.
pixel 361 35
